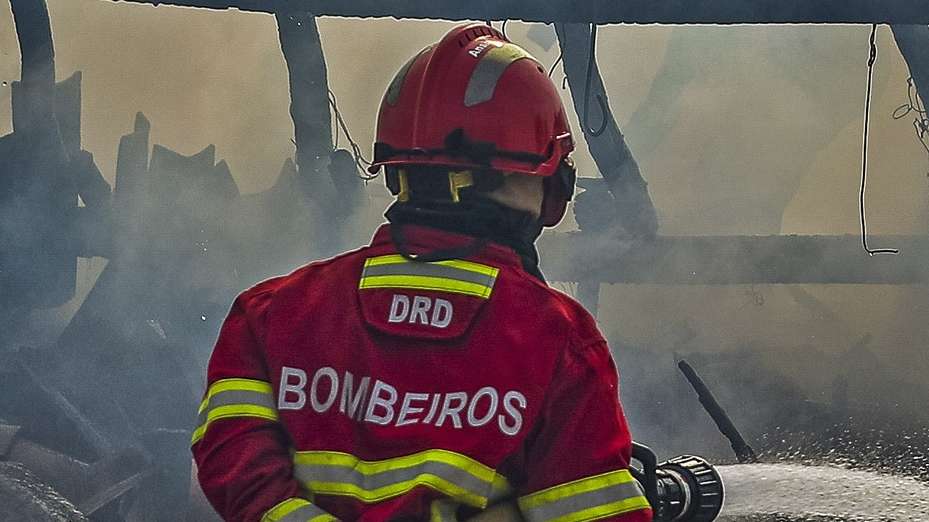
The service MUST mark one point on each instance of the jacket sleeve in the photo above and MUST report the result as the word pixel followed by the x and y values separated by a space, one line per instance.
pixel 577 463
pixel 242 452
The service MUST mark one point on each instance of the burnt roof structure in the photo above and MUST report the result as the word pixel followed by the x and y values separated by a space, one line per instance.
pixel 598 11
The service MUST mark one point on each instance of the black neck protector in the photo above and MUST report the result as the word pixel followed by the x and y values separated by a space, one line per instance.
pixel 481 218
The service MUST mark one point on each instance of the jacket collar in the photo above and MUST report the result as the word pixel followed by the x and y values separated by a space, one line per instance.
pixel 421 238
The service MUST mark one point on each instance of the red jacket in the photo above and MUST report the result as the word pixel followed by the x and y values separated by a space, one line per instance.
pixel 369 387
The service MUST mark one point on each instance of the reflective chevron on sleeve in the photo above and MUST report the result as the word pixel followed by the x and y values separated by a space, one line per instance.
pixel 227 398
pixel 455 276
pixel 457 476
pixel 296 510
pixel 590 498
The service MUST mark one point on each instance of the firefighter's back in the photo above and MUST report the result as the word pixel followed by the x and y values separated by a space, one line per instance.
pixel 404 383
pixel 372 386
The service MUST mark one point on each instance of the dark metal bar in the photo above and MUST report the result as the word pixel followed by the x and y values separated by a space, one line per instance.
pixel 598 11
pixel 742 450
pixel 719 260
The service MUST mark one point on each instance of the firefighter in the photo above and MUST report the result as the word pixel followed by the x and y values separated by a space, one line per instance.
pixel 431 375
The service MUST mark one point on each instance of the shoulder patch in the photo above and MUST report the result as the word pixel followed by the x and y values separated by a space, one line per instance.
pixel 435 300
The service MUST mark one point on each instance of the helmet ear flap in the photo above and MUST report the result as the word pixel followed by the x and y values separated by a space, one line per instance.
pixel 559 189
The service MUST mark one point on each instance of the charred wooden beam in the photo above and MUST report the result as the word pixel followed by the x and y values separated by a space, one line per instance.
pixel 35 97
pixel 68 112
pixel 38 199
pixel 129 191
pixel 72 427
pixel 630 207
pixel 598 11
pixel 724 260
pixel 309 92
pixel 112 476
pixel 328 181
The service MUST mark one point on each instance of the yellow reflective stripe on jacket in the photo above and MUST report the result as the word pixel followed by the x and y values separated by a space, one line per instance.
pixel 446 509
pixel 223 385
pixel 234 398
pixel 296 510
pixel 453 474
pixel 590 498
pixel 455 276
pixel 470 266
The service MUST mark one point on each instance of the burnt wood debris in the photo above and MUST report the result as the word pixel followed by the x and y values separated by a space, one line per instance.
pixel 84 431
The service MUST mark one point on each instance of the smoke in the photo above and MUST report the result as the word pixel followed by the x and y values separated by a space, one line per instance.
pixel 757 130
pixel 737 129
pixel 733 125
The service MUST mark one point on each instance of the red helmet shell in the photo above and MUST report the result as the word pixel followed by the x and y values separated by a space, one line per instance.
pixel 474 100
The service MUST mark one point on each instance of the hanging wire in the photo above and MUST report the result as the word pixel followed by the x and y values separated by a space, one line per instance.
pixel 914 105
pixel 872 57
pixel 590 70
pixel 360 161
pixel 556 62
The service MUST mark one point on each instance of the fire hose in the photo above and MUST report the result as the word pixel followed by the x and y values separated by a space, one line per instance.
pixel 683 489
pixel 686 488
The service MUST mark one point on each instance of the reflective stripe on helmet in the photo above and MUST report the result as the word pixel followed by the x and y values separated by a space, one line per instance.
pixel 489 69
pixel 460 477
pixel 234 398
pixel 296 509
pixel 589 498
pixel 455 276
pixel 393 90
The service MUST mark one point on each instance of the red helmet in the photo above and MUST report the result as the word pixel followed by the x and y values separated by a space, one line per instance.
pixel 477 101
pixel 474 100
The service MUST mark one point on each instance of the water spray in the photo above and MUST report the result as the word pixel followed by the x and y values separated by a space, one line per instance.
pixel 688 488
